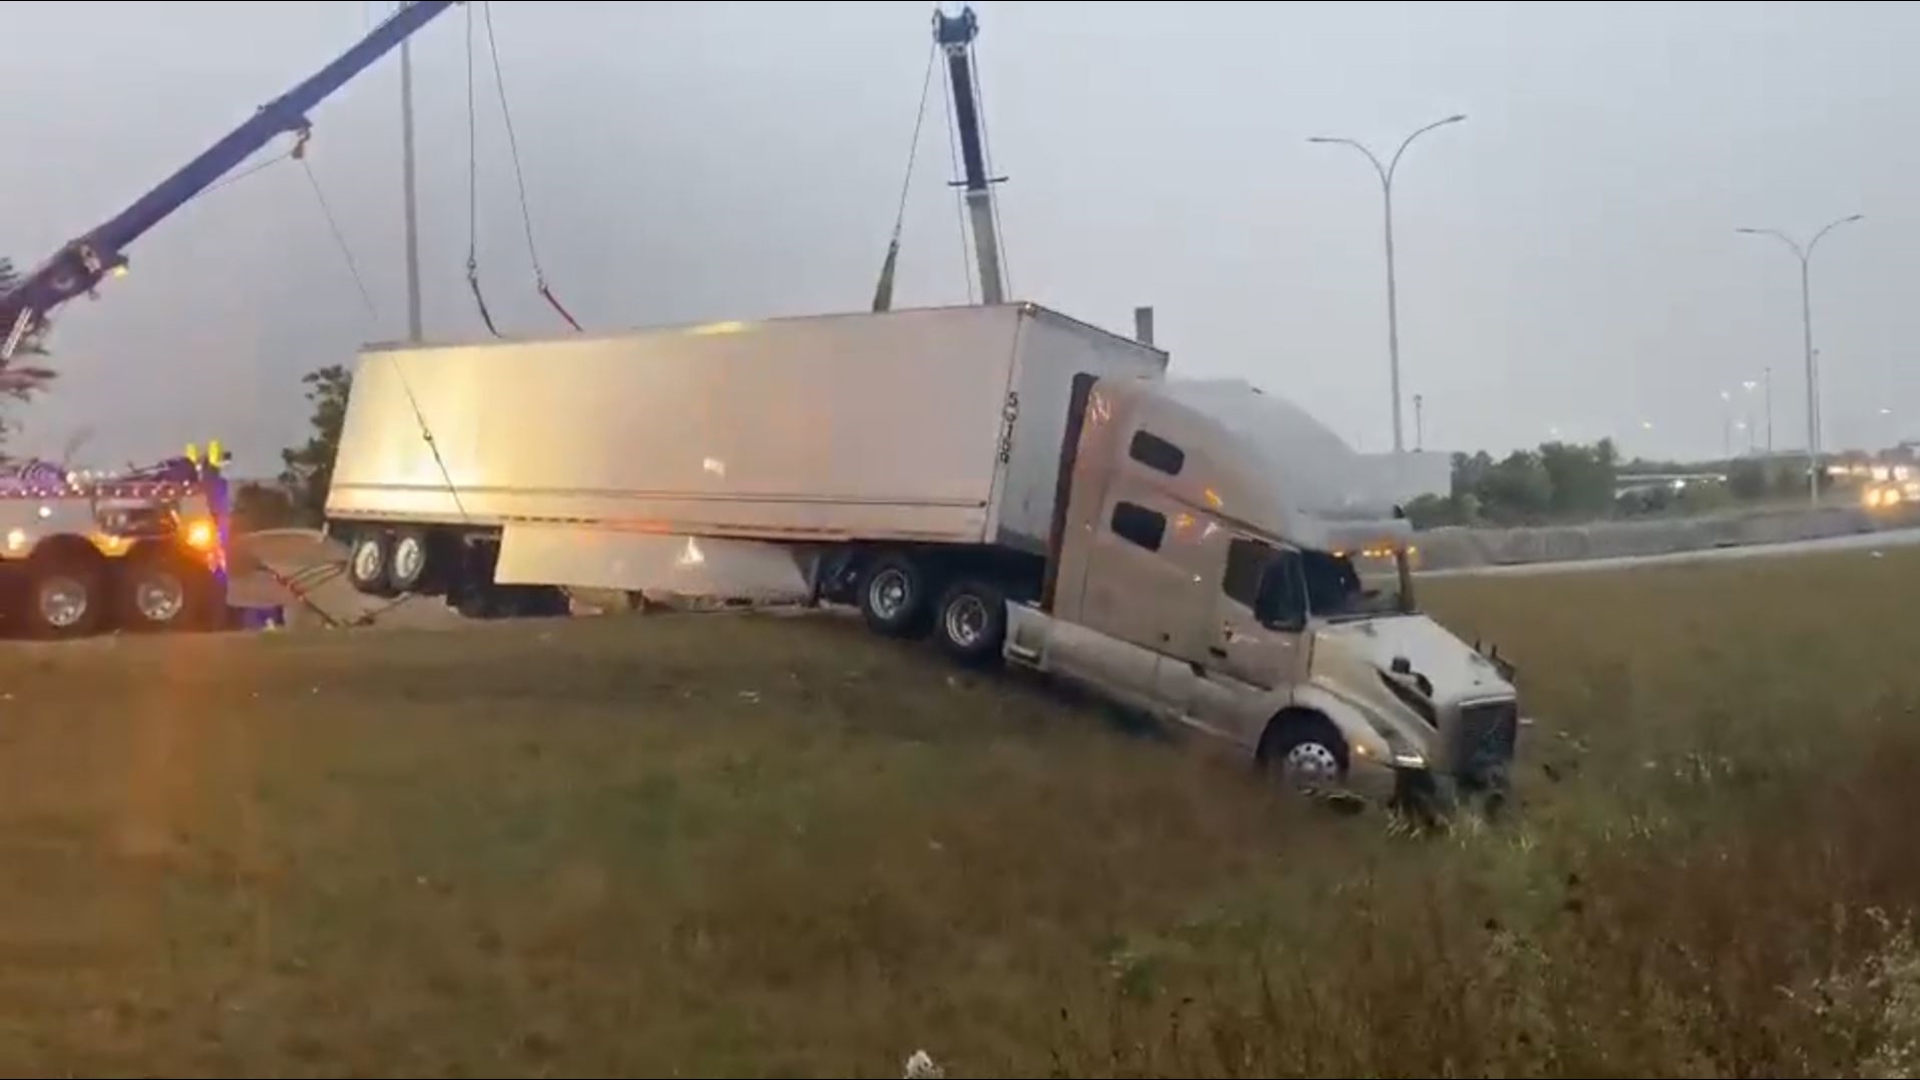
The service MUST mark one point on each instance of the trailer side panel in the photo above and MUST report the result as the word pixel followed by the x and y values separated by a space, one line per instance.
pixel 831 427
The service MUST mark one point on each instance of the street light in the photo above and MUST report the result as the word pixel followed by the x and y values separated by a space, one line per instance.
pixel 1393 305
pixel 1804 254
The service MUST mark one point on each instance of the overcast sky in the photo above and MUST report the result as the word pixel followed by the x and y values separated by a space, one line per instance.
pixel 1567 256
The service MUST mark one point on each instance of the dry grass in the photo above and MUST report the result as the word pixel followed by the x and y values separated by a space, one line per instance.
pixel 754 846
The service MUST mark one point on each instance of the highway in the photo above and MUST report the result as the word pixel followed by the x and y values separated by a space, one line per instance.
pixel 1889 538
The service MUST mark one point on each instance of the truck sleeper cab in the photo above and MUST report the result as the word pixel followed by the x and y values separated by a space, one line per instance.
pixel 1221 564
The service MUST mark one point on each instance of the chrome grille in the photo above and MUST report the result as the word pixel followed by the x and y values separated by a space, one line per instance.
pixel 1484 741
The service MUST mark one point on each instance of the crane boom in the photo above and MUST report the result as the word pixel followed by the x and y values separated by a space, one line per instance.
pixel 78 267
pixel 955 34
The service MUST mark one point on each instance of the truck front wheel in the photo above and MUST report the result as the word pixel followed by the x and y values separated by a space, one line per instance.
pixel 65 593
pixel 1305 753
pixel 972 621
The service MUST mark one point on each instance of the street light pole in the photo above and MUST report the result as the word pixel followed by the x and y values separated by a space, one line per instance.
pixel 1769 410
pixel 1386 173
pixel 1805 255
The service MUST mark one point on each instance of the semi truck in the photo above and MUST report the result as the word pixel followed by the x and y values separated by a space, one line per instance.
pixel 1018 485
pixel 141 550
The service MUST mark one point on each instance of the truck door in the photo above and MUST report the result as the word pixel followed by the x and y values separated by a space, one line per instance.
pixel 1257 637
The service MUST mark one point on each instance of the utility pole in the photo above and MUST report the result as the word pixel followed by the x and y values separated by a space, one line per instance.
pixel 1393 301
pixel 411 198
pixel 1419 423
pixel 1805 256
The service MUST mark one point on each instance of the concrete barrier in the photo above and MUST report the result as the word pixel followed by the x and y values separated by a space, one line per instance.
pixel 1456 547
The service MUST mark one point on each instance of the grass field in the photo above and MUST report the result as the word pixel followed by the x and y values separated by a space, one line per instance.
pixel 765 846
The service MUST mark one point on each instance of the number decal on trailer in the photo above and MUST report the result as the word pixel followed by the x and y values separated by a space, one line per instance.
pixel 1010 412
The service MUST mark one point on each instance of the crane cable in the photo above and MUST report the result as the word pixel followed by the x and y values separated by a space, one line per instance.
pixel 519 174
pixel 473 190
pixel 520 178
pixel 883 292
pixel 339 236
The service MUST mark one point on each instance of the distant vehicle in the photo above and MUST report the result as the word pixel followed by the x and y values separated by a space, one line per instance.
pixel 1010 481
pixel 141 550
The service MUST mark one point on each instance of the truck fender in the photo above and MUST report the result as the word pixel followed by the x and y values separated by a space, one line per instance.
pixel 1363 739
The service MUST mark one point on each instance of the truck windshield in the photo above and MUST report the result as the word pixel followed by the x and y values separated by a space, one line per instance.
pixel 1341 586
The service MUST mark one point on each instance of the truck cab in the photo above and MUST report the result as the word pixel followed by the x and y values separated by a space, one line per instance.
pixel 1225 562
pixel 140 550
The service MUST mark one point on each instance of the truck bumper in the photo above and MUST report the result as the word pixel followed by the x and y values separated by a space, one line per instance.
pixel 1429 793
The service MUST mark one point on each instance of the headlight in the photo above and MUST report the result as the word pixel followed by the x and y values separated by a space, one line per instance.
pixel 201 535
pixel 1401 751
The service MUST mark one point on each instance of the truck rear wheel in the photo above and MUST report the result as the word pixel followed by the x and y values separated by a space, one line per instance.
pixel 368 554
pixel 894 596
pixel 65 593
pixel 163 590
pixel 972 621
pixel 410 561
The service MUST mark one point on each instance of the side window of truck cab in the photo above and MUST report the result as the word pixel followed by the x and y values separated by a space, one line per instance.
pixel 1268 581
pixel 1262 610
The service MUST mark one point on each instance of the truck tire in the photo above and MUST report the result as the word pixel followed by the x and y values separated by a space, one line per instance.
pixel 159 590
pixel 409 561
pixel 1305 752
pixel 894 596
pixel 369 553
pixel 66 593
pixel 971 621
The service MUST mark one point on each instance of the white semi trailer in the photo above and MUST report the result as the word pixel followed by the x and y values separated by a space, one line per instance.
pixel 1016 483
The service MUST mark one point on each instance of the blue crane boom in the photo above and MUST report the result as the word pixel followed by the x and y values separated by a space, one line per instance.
pixel 78 267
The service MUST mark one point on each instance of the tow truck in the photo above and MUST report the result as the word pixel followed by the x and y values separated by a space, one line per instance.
pixel 143 549
pixel 139 550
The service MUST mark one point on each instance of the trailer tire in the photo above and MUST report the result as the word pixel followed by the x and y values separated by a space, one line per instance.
pixel 66 592
pixel 971 621
pixel 410 561
pixel 159 589
pixel 369 553
pixel 894 596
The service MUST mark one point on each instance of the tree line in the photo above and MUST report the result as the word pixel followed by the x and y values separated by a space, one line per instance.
pixel 1571 482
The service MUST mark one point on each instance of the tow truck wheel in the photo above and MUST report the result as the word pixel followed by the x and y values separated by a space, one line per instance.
pixel 64 593
pixel 162 590
pixel 972 621
pixel 367 560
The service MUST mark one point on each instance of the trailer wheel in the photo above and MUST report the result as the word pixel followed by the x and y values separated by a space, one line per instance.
pixel 163 590
pixel 972 621
pixel 65 588
pixel 410 561
pixel 893 596
pixel 367 559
